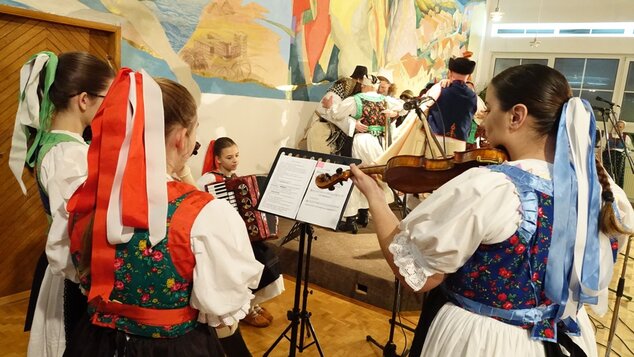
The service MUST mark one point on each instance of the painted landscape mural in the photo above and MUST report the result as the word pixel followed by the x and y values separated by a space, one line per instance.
pixel 280 48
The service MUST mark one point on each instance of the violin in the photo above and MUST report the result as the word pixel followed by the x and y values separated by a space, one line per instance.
pixel 417 174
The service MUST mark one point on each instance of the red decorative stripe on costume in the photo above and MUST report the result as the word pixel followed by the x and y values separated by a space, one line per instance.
pixel 143 315
pixel 178 243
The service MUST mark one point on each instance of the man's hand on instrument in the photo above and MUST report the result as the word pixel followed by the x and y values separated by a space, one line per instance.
pixel 444 83
pixel 327 102
pixel 360 127
pixel 390 113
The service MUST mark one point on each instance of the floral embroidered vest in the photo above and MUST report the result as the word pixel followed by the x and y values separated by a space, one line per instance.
pixel 152 285
pixel 506 280
pixel 369 109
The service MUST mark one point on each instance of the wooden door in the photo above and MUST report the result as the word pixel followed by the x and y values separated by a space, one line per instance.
pixel 22 220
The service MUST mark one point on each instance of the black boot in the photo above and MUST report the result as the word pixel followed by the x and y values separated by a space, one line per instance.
pixel 363 217
pixel 350 225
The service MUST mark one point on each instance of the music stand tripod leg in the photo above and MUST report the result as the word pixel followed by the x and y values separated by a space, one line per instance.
pixel 389 350
pixel 304 314
pixel 299 319
pixel 293 315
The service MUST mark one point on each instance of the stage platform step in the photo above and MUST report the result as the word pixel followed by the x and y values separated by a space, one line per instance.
pixel 349 264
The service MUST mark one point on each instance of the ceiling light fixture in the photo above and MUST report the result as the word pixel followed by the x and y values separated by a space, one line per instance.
pixel 535 42
pixel 496 15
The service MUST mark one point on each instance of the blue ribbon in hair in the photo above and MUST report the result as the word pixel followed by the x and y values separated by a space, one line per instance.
pixel 562 246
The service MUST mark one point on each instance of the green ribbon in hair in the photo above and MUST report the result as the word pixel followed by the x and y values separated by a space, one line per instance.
pixel 46 106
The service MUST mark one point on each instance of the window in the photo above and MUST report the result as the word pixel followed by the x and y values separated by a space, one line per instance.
pixel 568 29
pixel 504 63
pixel 590 77
pixel 627 107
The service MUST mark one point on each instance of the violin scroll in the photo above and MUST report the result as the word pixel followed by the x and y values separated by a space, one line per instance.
pixel 329 181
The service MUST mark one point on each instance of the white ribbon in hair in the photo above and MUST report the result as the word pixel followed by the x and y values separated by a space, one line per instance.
pixel 156 167
pixel 28 114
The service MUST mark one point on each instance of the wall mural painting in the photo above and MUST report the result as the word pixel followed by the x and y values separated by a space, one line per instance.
pixel 413 40
pixel 280 48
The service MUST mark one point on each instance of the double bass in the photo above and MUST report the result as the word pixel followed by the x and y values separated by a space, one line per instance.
pixel 417 174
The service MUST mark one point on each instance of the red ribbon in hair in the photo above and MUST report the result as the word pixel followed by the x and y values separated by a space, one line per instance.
pixel 109 130
pixel 210 159
pixel 134 201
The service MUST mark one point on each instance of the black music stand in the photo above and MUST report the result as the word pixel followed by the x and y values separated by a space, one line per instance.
pixel 296 317
pixel 291 183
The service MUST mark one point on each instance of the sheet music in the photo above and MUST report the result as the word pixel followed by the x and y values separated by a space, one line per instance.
pixel 323 207
pixel 286 186
pixel 291 191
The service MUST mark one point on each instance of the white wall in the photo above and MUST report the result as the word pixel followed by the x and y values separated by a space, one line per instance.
pixel 259 126
pixel 523 11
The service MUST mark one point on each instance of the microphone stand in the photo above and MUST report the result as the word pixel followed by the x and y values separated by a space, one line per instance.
pixel 607 114
pixel 606 135
pixel 442 148
pixel 612 116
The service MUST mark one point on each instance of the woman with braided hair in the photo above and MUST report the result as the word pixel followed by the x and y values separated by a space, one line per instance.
pixel 517 248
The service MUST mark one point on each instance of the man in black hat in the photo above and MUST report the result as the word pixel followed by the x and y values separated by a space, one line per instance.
pixel 335 137
pixel 455 105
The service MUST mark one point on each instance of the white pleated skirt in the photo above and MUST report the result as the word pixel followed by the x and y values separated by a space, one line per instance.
pixel 457 332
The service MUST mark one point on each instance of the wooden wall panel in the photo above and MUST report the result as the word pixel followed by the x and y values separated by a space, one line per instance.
pixel 22 220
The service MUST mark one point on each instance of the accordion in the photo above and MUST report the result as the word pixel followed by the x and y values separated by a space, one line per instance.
pixel 243 193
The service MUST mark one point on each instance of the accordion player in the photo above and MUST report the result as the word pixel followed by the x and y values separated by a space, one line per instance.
pixel 243 193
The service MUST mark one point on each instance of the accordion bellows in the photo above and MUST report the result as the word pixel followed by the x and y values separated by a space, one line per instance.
pixel 243 193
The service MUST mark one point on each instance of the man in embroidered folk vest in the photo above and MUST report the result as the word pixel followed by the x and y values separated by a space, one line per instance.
pixel 454 107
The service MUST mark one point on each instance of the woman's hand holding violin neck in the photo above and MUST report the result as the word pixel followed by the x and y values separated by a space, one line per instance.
pixel 368 185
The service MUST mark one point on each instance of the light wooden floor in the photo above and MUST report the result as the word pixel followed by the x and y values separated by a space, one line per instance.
pixel 341 324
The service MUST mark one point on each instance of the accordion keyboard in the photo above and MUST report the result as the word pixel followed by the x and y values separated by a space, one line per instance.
pixel 243 194
pixel 219 190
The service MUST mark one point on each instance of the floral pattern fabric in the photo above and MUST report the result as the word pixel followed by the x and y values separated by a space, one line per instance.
pixel 369 110
pixel 145 276
pixel 510 275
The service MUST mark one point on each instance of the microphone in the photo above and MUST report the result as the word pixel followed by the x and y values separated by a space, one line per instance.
pixel 598 108
pixel 605 101
pixel 416 102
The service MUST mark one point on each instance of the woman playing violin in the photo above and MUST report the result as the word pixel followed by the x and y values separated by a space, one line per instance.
pixel 501 240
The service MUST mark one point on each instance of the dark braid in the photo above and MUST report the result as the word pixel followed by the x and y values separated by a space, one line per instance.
pixel 608 223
